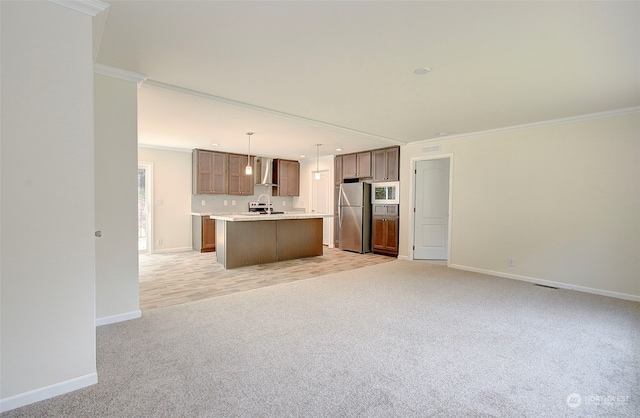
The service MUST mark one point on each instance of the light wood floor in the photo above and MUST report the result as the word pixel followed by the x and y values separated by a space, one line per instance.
pixel 172 278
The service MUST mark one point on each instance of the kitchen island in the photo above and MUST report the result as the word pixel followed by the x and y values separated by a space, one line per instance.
pixel 250 239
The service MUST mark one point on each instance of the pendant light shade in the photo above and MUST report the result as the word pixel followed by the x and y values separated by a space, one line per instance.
pixel 248 169
pixel 317 173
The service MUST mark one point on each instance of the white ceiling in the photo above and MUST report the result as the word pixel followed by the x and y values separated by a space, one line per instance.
pixel 341 73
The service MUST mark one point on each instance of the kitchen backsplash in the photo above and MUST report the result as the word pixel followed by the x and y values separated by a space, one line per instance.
pixel 216 203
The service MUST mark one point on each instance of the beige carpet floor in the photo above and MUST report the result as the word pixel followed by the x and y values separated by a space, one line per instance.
pixel 397 339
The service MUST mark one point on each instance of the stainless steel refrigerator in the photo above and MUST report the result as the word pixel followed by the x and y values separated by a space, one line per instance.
pixel 354 217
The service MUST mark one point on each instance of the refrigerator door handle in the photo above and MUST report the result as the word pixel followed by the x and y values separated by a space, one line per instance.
pixel 340 207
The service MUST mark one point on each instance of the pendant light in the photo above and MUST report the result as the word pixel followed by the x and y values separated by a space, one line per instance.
pixel 248 169
pixel 317 174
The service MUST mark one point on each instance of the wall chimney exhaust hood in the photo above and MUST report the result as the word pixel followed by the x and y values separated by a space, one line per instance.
pixel 264 171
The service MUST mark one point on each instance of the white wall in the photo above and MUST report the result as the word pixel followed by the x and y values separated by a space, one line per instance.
pixel 171 198
pixel 47 272
pixel 563 200
pixel 307 167
pixel 305 200
pixel 116 167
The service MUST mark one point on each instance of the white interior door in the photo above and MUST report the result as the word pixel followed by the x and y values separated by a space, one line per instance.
pixel 320 203
pixel 431 224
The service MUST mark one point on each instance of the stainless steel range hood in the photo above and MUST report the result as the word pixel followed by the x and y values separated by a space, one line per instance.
pixel 264 171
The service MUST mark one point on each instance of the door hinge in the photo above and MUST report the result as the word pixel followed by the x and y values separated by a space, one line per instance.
pixel 415 171
pixel 414 248
pixel 414 210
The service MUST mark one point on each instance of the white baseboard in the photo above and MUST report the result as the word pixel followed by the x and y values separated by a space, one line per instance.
pixel 403 257
pixel 118 318
pixel 48 392
pixel 543 282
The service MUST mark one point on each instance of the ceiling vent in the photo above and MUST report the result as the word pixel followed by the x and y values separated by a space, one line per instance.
pixel 432 148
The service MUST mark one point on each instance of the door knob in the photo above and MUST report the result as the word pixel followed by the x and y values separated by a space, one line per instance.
pixel 98 234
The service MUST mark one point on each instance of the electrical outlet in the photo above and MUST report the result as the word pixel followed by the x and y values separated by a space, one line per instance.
pixel 233 203
pixel 284 203
pixel 226 202
pixel 512 262
pixel 159 242
pixel 204 203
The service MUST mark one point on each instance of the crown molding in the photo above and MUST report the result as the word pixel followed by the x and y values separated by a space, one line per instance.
pixel 561 121
pixel 88 7
pixel 118 73
pixel 272 111
pixel 99 23
pixel 163 148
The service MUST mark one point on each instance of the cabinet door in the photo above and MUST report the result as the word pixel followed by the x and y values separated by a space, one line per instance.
pixel 349 166
pixel 294 179
pixel 378 238
pixel 283 178
pixel 391 235
pixel 209 172
pixel 247 180
pixel 239 182
pixel 202 170
pixel 379 158
pixel 364 164
pixel 384 210
pixel 393 164
pixel 288 178
pixel 386 163
pixel 337 170
pixel 234 174
pixel 208 234
pixel 384 235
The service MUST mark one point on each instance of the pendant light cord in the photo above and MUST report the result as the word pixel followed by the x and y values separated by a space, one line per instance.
pixel 248 170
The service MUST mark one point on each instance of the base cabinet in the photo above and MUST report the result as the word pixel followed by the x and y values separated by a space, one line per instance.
pixel 384 229
pixel 203 233
pixel 259 242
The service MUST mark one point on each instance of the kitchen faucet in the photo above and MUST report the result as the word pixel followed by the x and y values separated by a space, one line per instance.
pixel 269 208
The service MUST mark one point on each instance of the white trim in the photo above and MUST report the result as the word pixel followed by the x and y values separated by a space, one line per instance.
pixel 412 197
pixel 48 392
pixel 562 121
pixel 118 73
pixel 162 148
pixel 271 111
pixel 88 7
pixel 99 22
pixel 173 250
pixel 560 285
pixel 105 320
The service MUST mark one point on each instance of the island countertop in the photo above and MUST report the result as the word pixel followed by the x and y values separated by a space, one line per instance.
pixel 241 217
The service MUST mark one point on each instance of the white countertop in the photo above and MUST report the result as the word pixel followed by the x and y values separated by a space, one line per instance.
pixel 235 217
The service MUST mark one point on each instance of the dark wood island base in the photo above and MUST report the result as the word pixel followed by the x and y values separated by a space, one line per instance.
pixel 262 241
